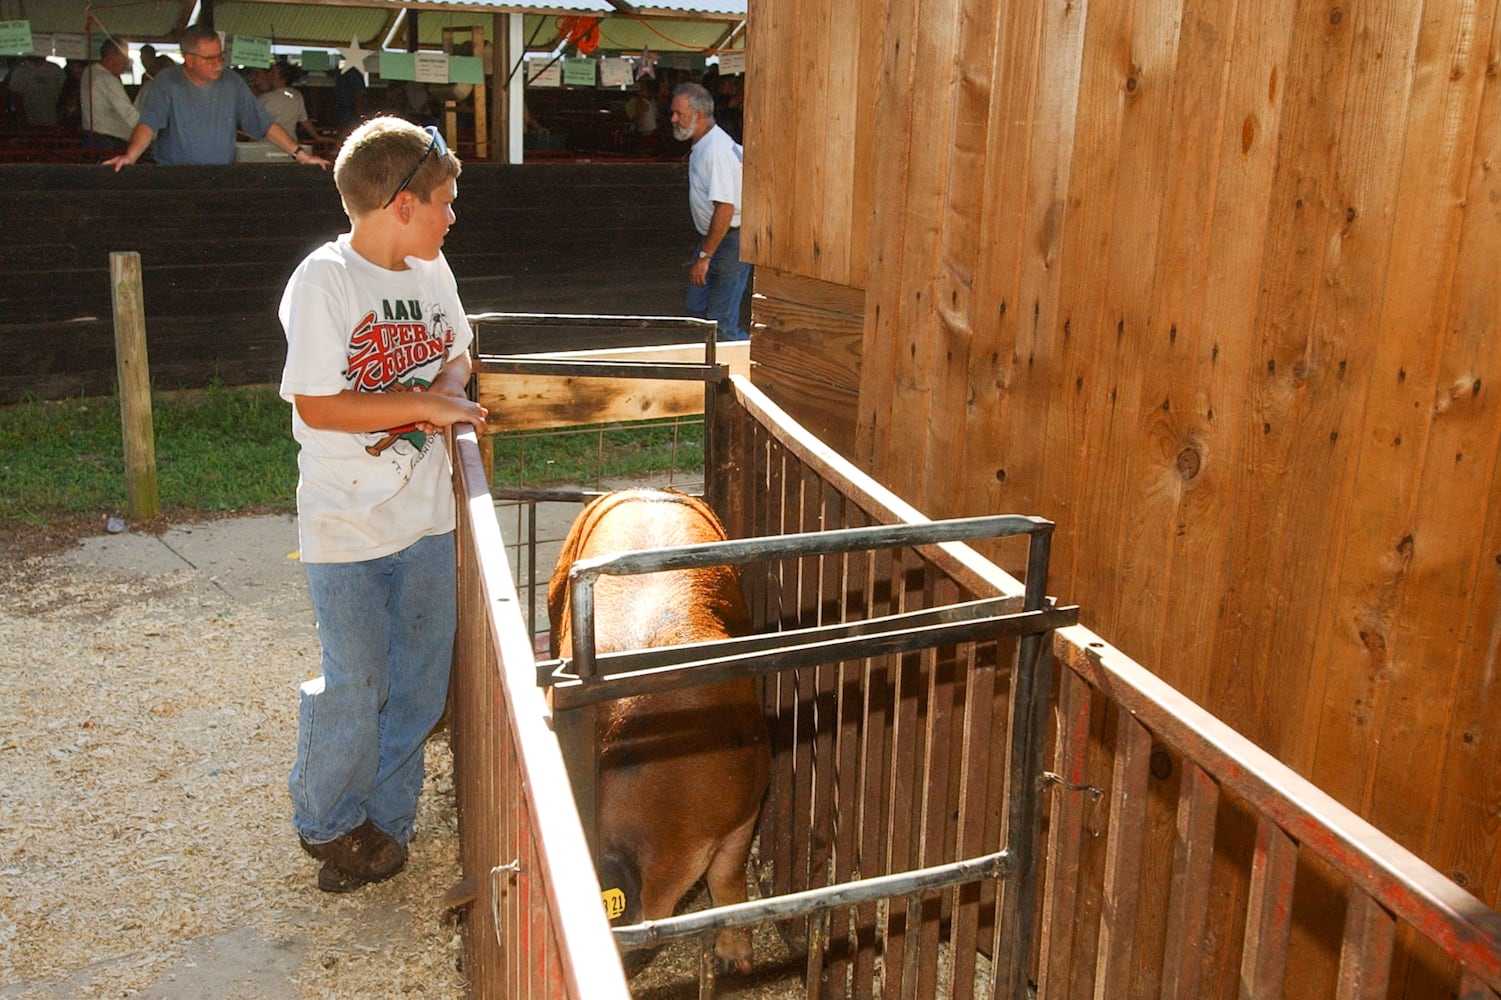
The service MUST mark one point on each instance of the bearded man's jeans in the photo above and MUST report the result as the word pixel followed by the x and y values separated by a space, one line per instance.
pixel 719 299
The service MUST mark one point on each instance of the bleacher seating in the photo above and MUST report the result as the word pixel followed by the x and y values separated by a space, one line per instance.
pixel 217 245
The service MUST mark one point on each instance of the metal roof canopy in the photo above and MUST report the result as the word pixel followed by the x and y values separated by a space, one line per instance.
pixel 664 26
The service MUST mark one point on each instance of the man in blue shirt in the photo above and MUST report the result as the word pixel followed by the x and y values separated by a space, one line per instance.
pixel 194 110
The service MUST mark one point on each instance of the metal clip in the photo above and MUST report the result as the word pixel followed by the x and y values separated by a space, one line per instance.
pixel 1096 796
pixel 515 869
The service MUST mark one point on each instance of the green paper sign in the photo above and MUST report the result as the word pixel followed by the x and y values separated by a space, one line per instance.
pixel 579 72
pixel 15 38
pixel 398 65
pixel 466 69
pixel 315 60
pixel 247 50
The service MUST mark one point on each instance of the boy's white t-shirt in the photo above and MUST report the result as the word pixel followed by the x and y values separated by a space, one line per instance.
pixel 351 324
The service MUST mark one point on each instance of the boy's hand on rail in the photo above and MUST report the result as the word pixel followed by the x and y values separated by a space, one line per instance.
pixel 450 410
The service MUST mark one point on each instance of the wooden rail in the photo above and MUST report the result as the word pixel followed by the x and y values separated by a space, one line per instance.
pixel 536 928
pixel 1295 831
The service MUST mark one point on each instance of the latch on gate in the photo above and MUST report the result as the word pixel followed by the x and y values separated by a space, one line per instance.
pixel 1096 796
pixel 514 868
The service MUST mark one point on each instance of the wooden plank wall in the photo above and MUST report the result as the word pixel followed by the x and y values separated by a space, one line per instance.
pixel 806 335
pixel 218 244
pixel 1214 285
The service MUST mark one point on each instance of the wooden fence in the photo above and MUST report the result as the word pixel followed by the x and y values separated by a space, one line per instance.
pixel 892 763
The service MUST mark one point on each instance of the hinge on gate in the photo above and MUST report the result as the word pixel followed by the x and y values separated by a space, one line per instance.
pixel 1096 796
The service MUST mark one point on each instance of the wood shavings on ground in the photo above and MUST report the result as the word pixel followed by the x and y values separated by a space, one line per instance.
pixel 147 725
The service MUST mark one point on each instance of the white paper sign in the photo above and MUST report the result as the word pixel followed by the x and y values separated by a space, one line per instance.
pixel 70 46
pixel 732 63
pixel 432 67
pixel 536 76
pixel 616 73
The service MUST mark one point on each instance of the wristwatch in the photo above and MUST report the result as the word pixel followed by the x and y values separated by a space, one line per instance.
pixel 703 255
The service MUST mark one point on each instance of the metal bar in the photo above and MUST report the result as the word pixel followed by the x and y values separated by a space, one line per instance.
pixel 1268 913
pixel 531 571
pixel 650 933
pixel 1365 957
pixel 668 371
pixel 621 662
pixel 816 543
pixel 1031 699
pixel 543 494
pixel 592 688
pixel 503 319
pixel 583 573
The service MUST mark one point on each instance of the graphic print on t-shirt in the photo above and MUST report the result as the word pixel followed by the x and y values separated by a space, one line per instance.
pixel 398 351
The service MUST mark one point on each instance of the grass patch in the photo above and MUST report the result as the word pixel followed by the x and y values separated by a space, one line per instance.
pixel 590 455
pixel 218 449
pixel 226 449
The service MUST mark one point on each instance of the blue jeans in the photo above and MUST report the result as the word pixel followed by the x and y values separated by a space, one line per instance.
pixel 387 628
pixel 719 299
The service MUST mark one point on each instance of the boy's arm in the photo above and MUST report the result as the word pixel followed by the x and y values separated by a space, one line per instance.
pixel 367 412
pixel 453 379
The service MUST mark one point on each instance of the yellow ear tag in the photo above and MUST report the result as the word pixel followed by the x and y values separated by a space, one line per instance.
pixel 614 902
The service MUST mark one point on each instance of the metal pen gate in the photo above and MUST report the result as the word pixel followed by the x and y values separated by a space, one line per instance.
pixel 900 634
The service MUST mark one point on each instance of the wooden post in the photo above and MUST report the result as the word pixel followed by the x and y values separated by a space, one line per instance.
pixel 135 385
pixel 481 102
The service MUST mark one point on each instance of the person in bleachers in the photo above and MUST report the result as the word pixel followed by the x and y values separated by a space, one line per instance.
pixel 37 83
pixel 108 117
pixel 193 111
pixel 274 92
pixel 152 64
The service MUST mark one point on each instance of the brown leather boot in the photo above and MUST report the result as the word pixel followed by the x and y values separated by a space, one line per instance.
pixel 364 855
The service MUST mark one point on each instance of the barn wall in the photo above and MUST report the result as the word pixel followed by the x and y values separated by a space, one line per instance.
pixel 806 335
pixel 1214 285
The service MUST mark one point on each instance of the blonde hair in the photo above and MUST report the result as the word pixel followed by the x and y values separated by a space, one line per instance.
pixel 378 154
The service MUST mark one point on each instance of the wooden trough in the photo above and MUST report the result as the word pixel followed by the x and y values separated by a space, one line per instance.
pixel 930 759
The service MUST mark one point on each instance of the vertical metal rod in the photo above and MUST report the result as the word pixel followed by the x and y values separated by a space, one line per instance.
pixel 582 613
pixel 531 575
pixel 1038 550
pixel 1032 694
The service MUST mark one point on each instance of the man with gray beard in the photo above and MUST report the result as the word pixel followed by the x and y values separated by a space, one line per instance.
pixel 717 276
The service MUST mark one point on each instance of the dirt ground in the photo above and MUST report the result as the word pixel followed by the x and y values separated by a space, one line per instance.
pixel 148 712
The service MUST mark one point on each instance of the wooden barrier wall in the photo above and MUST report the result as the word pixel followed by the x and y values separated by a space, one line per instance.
pixel 1214 287
pixel 890 761
pixel 217 245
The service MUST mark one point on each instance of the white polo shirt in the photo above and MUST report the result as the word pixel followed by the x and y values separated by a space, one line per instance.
pixel 714 171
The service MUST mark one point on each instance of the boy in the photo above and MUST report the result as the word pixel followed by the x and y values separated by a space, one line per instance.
pixel 377 363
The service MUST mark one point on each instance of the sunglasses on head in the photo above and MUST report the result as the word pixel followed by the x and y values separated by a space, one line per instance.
pixel 436 143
